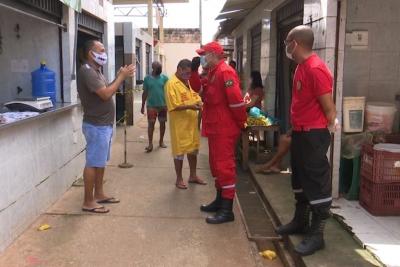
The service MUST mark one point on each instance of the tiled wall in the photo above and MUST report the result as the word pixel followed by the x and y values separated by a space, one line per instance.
pixel 375 70
pixel 39 160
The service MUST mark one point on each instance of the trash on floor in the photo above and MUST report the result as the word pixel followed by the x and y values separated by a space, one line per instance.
pixel 268 254
pixel 44 227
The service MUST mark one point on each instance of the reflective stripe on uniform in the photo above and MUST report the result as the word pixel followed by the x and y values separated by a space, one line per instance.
pixel 237 105
pixel 319 201
pixel 228 186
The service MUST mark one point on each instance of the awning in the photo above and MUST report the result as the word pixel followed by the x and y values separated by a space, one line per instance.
pixel 233 13
pixel 75 4
pixel 136 2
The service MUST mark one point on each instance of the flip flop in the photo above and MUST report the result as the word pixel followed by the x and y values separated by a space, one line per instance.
pixel 197 181
pixel 268 172
pixel 100 210
pixel 110 200
pixel 181 186
pixel 148 149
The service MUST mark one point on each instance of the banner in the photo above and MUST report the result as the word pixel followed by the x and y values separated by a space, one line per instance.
pixel 75 4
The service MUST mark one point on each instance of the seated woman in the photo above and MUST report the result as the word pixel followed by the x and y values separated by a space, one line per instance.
pixel 274 165
pixel 255 94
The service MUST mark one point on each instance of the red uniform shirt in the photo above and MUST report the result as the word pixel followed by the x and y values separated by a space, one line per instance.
pixel 311 80
pixel 195 81
pixel 224 111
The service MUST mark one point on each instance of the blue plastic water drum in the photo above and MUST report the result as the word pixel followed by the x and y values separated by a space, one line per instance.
pixel 44 82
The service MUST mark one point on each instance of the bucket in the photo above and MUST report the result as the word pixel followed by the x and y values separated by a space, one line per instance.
pixel 380 116
pixel 353 114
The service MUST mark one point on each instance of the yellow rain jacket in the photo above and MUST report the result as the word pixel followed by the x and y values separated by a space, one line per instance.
pixel 183 124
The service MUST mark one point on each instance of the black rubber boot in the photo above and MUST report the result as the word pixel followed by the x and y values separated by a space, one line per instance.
pixel 314 240
pixel 224 214
pixel 213 206
pixel 300 222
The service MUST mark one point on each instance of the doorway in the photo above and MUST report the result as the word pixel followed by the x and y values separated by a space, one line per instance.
pixel 288 17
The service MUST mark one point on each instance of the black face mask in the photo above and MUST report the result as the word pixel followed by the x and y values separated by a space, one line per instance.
pixel 157 72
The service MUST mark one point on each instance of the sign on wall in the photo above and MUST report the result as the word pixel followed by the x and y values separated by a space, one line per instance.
pixel 75 4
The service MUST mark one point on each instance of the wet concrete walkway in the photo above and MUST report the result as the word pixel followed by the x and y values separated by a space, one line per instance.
pixel 154 225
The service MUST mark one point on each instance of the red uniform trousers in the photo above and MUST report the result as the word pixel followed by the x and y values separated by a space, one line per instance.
pixel 222 163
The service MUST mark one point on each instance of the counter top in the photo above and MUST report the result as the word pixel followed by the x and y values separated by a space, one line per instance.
pixel 59 107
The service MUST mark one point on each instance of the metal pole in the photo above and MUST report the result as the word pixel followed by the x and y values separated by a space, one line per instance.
pixel 125 164
pixel 201 21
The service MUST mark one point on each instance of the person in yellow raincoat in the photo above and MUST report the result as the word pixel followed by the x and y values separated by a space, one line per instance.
pixel 183 105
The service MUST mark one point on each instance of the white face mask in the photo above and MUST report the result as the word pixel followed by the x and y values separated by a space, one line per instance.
pixel 203 61
pixel 289 55
pixel 100 59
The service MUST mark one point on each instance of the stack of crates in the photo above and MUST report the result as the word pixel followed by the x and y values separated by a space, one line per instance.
pixel 380 180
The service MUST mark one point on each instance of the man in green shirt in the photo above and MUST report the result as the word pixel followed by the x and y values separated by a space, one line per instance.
pixel 153 94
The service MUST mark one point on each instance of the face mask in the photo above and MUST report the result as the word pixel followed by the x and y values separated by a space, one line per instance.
pixel 289 55
pixel 100 59
pixel 203 61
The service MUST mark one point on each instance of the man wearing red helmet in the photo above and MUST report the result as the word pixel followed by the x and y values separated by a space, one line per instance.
pixel 224 115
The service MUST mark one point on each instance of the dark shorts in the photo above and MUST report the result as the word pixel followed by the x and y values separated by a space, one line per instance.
pixel 157 112
pixel 311 173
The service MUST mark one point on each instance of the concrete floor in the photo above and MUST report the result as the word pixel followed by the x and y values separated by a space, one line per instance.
pixel 154 225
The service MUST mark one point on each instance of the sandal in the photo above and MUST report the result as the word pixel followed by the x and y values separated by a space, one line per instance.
pixel 100 209
pixel 110 200
pixel 149 149
pixel 162 145
pixel 197 180
pixel 181 185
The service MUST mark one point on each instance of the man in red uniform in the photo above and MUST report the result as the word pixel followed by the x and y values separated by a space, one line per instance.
pixel 313 113
pixel 224 115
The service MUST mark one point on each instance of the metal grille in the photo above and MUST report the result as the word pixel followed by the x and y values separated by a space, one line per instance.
pixel 50 7
pixel 256 48
pixel 239 54
pixel 148 63
pixel 138 52
pixel 90 23
pixel 292 8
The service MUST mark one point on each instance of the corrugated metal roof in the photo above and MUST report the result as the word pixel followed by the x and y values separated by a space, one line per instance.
pixel 135 2
pixel 233 13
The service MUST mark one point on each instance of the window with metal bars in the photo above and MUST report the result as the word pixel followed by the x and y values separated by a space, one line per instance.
pixel 239 54
pixel 94 25
pixel 148 59
pixel 256 47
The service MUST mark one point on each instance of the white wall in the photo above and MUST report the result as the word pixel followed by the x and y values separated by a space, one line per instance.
pixel 374 71
pixel 40 159
pixel 38 41
pixel 174 52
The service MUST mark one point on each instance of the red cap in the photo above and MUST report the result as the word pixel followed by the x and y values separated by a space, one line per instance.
pixel 211 47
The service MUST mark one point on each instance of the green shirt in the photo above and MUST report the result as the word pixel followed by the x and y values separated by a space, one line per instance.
pixel 154 86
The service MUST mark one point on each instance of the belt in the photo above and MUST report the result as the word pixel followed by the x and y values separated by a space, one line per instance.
pixel 307 128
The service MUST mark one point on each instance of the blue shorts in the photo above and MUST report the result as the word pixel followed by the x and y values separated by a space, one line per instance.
pixel 98 144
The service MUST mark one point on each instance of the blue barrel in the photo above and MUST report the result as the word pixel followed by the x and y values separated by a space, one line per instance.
pixel 44 82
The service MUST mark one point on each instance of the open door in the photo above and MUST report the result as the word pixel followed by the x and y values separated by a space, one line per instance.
pixel 288 17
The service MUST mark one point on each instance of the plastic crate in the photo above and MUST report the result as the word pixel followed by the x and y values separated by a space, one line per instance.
pixel 380 199
pixel 380 166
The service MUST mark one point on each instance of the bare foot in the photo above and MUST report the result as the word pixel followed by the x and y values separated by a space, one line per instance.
pixel 197 180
